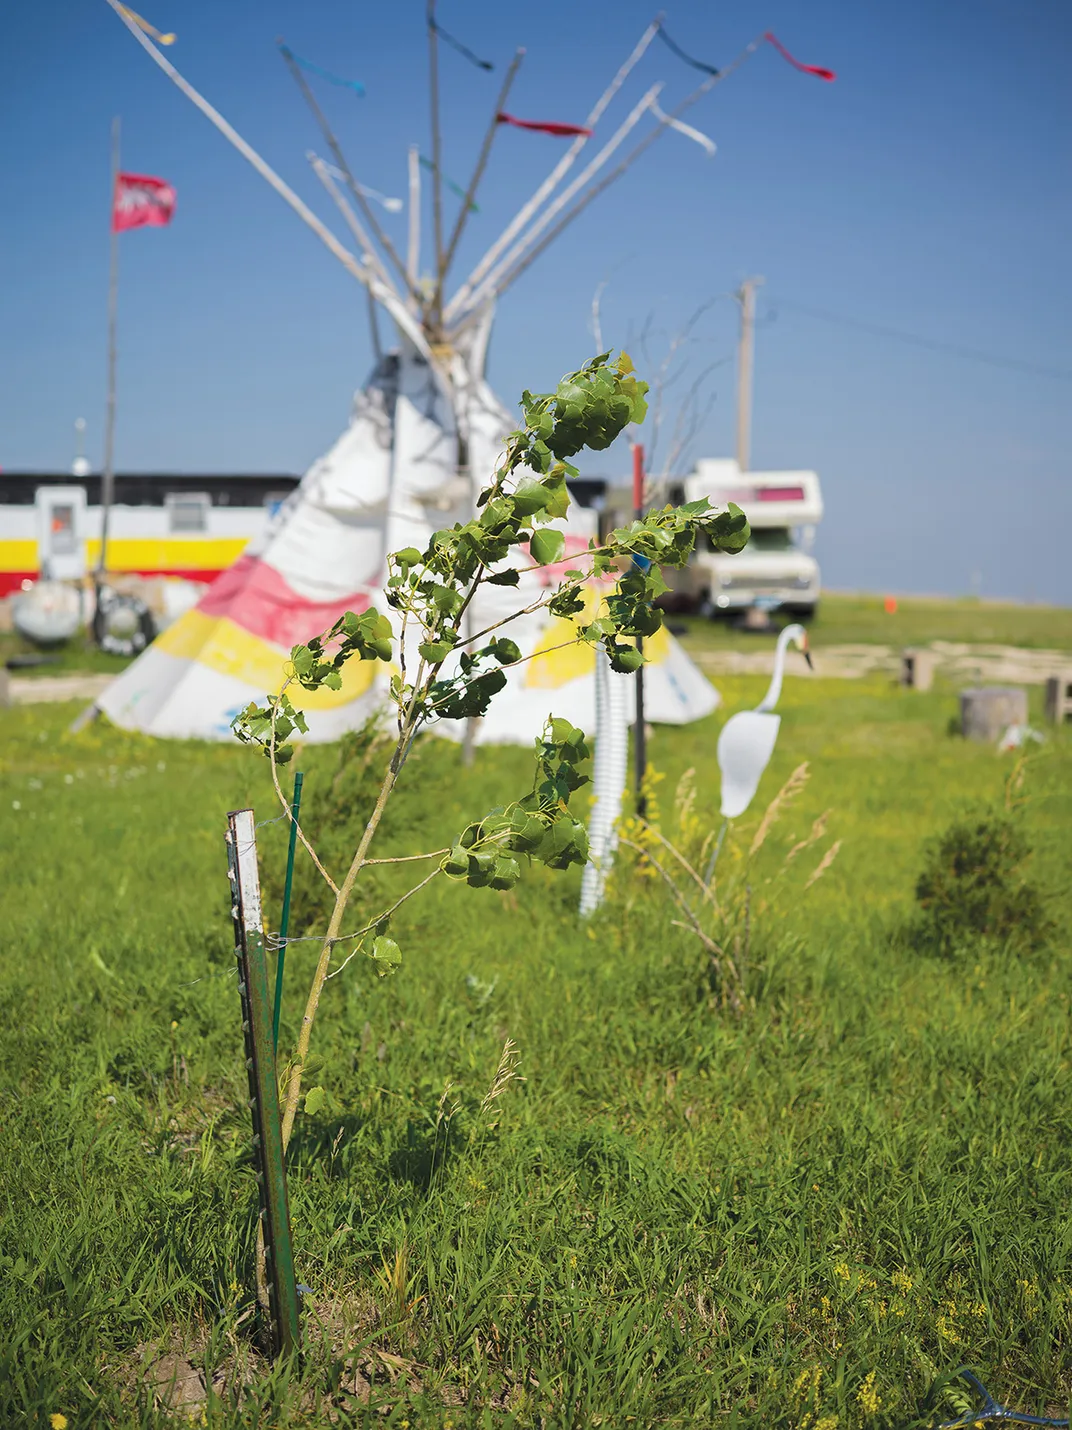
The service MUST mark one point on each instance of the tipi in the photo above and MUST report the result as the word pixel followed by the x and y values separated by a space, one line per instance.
pixel 423 437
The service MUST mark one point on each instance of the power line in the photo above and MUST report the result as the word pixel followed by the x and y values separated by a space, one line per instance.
pixel 919 341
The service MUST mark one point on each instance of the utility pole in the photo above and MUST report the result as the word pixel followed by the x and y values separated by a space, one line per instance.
pixel 746 297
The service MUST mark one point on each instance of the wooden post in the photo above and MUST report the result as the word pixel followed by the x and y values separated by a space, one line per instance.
pixel 1059 697
pixel 263 1080
pixel 917 669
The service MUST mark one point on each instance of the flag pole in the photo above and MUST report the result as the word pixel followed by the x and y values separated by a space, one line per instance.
pixel 108 469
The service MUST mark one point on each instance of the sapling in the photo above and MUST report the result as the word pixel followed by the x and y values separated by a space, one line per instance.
pixel 445 670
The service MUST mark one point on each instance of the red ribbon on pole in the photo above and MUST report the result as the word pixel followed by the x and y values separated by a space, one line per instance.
pixel 545 126
pixel 817 70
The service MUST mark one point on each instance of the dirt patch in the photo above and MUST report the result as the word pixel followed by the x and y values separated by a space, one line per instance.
pixel 957 663
pixel 29 690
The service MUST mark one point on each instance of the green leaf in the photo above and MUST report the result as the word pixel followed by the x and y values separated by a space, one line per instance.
pixel 316 1099
pixel 386 955
pixel 547 546
pixel 530 497
pixel 625 659
pixel 509 577
pixel 505 651
pixel 729 530
pixel 456 863
pixel 434 652
pixel 408 556
pixel 505 873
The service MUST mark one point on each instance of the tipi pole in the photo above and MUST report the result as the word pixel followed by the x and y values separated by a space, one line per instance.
pixel 437 169
pixel 108 469
pixel 320 169
pixel 623 131
pixel 285 192
pixel 481 164
pixel 413 252
pixel 521 218
pixel 640 739
pixel 340 159
pixel 627 163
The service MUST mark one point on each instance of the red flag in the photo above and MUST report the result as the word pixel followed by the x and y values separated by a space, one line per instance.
pixel 817 70
pixel 545 126
pixel 141 201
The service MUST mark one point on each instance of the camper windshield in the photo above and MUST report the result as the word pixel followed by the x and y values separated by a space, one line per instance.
pixel 770 538
pixel 764 538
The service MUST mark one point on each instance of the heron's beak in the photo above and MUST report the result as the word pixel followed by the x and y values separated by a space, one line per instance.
pixel 806 653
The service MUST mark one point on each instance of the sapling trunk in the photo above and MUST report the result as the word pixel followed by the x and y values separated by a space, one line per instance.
pixel 342 899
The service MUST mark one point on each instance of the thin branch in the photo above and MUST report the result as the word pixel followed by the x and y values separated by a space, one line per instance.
pixel 345 938
pixel 410 858
pixel 287 810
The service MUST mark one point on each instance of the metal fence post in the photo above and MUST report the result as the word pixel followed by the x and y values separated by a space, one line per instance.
pixel 263 1081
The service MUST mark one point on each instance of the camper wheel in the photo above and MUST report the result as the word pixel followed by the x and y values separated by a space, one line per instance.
pixel 122 624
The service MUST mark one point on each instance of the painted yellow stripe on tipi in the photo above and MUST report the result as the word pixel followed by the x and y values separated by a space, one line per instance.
pixel 550 669
pixel 193 553
pixel 223 646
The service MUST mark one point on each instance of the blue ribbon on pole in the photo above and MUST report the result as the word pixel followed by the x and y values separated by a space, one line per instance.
pixel 354 84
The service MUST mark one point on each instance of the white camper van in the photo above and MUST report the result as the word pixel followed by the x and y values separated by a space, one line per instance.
pixel 776 570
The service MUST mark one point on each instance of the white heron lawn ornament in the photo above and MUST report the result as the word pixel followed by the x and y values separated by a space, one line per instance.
pixel 747 739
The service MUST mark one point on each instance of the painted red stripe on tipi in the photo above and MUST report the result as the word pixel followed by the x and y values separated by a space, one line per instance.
pixel 256 597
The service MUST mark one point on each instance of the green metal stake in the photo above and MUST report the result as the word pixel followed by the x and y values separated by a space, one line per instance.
pixel 284 918
pixel 263 1081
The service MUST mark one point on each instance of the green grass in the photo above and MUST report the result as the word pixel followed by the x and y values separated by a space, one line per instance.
pixel 678 1217
pixel 841 620
pixel 918 620
pixel 77 654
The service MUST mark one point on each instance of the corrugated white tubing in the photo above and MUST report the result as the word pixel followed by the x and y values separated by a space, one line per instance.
pixel 611 759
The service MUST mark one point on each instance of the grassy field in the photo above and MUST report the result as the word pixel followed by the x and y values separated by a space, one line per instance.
pixel 841 620
pixel 918 620
pixel 801 1216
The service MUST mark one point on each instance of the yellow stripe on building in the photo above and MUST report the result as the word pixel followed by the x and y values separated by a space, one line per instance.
pixel 137 553
pixel 168 553
pixel 18 555
pixel 224 646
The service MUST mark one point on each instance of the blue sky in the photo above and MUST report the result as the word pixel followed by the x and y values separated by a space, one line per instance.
pixel 927 191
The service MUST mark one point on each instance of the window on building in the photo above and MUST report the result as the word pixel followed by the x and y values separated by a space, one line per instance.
pixel 187 511
pixel 62 535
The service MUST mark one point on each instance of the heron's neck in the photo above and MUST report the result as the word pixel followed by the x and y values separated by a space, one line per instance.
pixel 770 700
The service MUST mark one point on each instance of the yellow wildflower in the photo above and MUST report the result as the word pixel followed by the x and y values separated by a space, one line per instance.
pixel 867 1396
pixel 902 1281
pixel 842 1271
pixel 58 1421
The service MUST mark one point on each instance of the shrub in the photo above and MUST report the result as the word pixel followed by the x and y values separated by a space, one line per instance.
pixel 973 888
